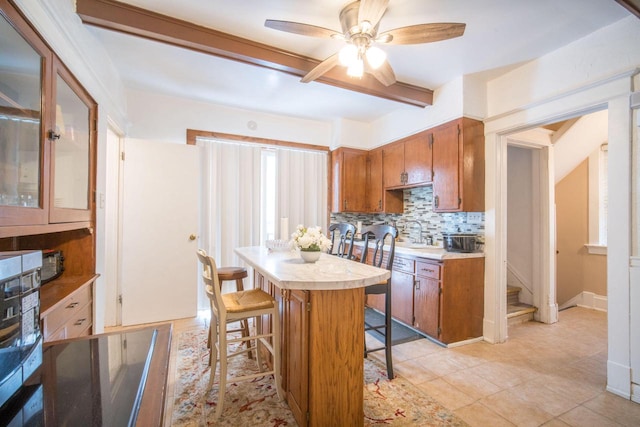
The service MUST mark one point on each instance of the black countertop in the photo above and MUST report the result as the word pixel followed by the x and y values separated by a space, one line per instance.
pixel 96 381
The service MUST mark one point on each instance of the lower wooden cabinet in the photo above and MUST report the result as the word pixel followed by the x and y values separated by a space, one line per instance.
pixel 67 308
pixel 444 299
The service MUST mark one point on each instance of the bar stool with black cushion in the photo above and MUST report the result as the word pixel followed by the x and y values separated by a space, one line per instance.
pixel 342 234
pixel 237 274
pixel 235 306
pixel 380 244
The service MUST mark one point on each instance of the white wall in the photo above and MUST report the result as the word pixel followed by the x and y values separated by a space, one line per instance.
pixel 160 117
pixel 520 219
pixel 584 137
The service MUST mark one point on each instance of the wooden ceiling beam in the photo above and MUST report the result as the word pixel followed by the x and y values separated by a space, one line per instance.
pixel 632 6
pixel 128 19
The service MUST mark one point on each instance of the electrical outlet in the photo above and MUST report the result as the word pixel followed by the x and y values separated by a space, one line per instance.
pixel 474 217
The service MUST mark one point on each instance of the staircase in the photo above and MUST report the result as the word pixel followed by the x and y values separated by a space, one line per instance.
pixel 517 312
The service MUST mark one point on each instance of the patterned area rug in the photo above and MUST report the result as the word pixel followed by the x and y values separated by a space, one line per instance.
pixel 255 403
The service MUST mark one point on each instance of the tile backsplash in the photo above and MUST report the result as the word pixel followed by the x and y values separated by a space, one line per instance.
pixel 418 206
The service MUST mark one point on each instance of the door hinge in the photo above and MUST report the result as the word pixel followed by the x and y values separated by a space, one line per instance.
pixel 439 330
pixel 439 291
pixel 308 306
pixel 120 299
pixel 122 156
pixel 430 140
pixel 459 131
pixel 459 201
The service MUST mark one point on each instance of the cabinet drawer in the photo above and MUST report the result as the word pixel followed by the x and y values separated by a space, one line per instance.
pixel 80 322
pixel 426 269
pixel 69 309
pixel 403 264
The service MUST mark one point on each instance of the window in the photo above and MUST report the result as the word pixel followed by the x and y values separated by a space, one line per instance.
pixel 598 200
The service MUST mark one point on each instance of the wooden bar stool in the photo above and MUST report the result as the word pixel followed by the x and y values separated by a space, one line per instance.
pixel 238 274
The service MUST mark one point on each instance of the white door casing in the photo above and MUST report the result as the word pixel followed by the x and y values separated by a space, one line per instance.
pixel 160 218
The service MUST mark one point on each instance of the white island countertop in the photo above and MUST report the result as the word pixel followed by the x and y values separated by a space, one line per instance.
pixel 288 271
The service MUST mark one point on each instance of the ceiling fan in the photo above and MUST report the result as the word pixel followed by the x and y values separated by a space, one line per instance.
pixel 360 21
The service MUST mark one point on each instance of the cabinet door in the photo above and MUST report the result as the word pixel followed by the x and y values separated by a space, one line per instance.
pixel 446 169
pixel 72 150
pixel 354 181
pixel 374 181
pixel 297 326
pixel 427 306
pixel 402 296
pixel 393 165
pixel 24 62
pixel 417 159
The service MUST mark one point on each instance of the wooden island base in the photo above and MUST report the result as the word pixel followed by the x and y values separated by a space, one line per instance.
pixel 322 362
pixel 322 316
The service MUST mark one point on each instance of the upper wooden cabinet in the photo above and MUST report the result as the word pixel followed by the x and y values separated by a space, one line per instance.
pixel 408 162
pixel 349 173
pixel 458 166
pixel 47 135
pixel 378 199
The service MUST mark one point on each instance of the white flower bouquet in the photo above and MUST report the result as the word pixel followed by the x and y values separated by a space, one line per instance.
pixel 310 239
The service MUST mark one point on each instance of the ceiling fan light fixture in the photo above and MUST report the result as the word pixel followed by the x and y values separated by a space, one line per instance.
pixel 356 69
pixel 348 55
pixel 375 57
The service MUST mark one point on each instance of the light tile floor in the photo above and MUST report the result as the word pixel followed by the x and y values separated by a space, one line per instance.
pixel 551 375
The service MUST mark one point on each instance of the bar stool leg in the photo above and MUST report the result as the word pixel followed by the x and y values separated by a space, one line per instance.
pixel 244 324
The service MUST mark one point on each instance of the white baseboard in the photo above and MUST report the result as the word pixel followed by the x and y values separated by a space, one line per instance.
pixel 619 379
pixel 587 300
pixel 635 392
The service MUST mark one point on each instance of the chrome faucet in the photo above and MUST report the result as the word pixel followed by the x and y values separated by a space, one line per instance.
pixel 419 239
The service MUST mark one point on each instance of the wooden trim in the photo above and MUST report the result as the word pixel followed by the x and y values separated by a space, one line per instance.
pixel 28 230
pixel 128 19
pixel 192 134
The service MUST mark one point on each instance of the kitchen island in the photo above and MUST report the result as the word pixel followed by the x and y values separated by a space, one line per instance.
pixel 322 315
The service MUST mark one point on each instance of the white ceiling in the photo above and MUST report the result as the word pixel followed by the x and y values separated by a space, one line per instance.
pixel 500 34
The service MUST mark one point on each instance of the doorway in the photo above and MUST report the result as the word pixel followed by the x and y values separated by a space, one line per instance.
pixel 555 241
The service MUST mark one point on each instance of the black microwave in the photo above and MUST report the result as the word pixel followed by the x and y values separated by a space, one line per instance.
pixel 52 265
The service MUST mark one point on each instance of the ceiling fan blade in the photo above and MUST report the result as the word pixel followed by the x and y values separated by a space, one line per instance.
pixel 321 68
pixel 372 11
pixel 384 73
pixel 302 29
pixel 423 33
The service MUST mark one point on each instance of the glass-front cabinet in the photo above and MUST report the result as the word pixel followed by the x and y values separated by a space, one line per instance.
pixel 47 132
pixel 72 149
pixel 23 65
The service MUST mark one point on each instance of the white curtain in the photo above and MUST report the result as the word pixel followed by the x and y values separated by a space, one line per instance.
pixel 229 202
pixel 302 188
pixel 231 191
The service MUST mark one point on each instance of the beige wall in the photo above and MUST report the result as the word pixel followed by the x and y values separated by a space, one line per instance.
pixel 577 270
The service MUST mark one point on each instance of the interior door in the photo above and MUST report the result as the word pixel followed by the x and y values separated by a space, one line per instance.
pixel 160 217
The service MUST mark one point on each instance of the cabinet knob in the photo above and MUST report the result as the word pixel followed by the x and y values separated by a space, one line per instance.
pixel 192 237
